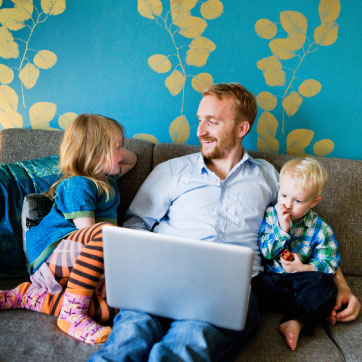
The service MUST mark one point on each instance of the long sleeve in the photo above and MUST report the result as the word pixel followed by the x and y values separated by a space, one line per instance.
pixel 325 256
pixel 152 201
pixel 272 239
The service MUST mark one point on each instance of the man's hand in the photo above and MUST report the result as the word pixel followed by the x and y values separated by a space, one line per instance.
pixel 283 217
pixel 345 298
pixel 352 304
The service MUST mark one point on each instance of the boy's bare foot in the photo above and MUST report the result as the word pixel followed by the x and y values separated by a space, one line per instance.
pixel 291 330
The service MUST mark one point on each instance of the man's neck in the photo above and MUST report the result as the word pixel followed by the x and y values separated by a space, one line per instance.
pixel 221 167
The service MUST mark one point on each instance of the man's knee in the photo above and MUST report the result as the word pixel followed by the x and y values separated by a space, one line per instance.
pixel 140 322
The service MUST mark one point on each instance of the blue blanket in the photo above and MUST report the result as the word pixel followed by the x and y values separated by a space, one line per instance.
pixel 16 181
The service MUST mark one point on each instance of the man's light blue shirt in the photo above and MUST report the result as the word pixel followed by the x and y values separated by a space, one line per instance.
pixel 182 197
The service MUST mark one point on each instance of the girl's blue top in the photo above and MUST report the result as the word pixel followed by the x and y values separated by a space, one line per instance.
pixel 76 197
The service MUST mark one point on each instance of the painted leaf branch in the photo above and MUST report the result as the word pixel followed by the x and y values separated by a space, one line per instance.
pixel 295 25
pixel 179 22
pixel 25 14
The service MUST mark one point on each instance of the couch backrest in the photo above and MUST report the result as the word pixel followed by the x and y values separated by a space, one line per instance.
pixel 341 205
pixel 17 144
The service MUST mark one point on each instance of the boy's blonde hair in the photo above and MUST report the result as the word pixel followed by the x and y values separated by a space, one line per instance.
pixel 308 173
pixel 87 149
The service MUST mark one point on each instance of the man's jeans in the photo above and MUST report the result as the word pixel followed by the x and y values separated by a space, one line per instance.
pixel 141 337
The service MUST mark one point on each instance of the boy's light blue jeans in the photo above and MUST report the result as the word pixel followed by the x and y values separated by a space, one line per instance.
pixel 141 337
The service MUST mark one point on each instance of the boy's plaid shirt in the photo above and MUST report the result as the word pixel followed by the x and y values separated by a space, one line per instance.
pixel 311 238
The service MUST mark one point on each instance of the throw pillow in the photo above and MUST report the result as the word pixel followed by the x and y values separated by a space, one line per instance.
pixel 35 207
pixel 16 181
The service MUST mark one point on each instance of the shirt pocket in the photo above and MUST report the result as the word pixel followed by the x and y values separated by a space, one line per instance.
pixel 195 196
pixel 246 211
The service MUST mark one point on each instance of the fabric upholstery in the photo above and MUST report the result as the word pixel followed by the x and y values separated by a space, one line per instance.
pixel 17 180
pixel 33 337
pixel 17 144
pixel 266 344
pixel 29 336
pixel 348 336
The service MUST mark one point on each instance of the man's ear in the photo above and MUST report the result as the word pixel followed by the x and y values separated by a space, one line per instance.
pixel 316 201
pixel 244 128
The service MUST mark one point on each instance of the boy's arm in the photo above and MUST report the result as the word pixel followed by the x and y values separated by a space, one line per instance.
pixel 344 297
pixel 272 239
pixel 129 161
pixel 325 255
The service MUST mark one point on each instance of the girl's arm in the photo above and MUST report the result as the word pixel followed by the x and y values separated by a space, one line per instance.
pixel 83 222
pixel 129 160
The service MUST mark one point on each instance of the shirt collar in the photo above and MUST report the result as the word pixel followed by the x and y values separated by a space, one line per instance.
pixel 307 219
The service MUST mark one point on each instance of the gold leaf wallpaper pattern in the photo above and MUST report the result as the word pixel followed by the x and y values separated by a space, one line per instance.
pixel 25 15
pixel 52 61
pixel 295 45
pixel 181 24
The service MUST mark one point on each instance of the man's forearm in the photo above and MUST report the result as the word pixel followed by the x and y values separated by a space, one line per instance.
pixel 340 280
pixel 135 222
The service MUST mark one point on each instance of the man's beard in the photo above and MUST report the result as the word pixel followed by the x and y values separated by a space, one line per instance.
pixel 222 146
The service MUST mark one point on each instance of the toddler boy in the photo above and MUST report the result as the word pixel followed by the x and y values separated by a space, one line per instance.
pixel 302 286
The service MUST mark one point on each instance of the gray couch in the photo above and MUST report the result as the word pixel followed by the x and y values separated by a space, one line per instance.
pixel 29 336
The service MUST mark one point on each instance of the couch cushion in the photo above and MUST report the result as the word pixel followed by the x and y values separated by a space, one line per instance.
pixel 31 336
pixel 16 181
pixel 18 144
pixel 267 344
pixel 347 336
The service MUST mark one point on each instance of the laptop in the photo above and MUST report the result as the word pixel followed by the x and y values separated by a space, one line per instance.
pixel 177 278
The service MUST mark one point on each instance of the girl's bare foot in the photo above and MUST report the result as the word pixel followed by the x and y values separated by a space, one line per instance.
pixel 291 330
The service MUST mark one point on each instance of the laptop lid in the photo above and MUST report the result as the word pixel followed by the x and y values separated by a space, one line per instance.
pixel 177 278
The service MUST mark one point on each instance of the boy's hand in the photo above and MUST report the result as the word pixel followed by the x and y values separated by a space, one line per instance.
pixel 283 217
pixel 296 265
pixel 293 265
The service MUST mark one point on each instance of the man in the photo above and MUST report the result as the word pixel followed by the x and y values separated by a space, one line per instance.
pixel 217 195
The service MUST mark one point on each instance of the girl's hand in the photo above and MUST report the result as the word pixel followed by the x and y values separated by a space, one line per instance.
pixel 129 161
pixel 283 217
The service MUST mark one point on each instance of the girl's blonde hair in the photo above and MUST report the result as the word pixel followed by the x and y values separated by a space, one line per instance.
pixel 308 173
pixel 87 148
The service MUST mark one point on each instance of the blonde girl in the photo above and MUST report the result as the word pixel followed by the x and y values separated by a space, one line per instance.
pixel 65 250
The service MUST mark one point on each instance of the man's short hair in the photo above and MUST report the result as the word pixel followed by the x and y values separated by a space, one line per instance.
pixel 244 102
pixel 307 173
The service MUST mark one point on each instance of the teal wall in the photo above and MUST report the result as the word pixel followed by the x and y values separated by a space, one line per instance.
pixel 301 58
